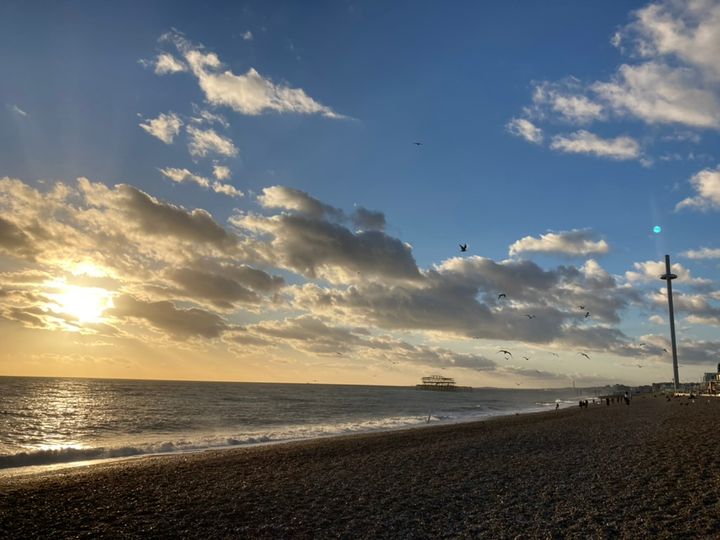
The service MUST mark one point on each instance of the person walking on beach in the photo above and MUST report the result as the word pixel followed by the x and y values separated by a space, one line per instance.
pixel 626 397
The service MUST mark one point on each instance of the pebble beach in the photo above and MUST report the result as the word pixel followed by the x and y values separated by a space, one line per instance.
pixel 647 470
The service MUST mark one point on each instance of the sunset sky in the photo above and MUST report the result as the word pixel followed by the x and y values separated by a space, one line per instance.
pixel 234 192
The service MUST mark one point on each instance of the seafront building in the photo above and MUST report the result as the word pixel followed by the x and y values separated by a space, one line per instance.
pixel 711 381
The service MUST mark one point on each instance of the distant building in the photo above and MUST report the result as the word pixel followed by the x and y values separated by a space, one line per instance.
pixel 438 382
pixel 711 382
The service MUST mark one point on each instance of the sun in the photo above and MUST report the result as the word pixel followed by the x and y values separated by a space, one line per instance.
pixel 86 304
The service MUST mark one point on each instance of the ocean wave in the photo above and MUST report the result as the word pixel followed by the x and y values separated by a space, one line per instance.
pixel 197 442
pixel 72 454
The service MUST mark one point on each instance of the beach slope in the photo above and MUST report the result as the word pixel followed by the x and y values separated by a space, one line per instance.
pixel 650 469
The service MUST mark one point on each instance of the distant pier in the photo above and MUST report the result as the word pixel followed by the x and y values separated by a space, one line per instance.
pixel 441 384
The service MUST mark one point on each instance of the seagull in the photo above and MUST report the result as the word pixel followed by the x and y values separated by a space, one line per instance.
pixel 529 316
pixel 584 354
pixel 505 352
pixel 581 307
pixel 417 143
pixel 463 247
pixel 555 354
pixel 639 365
pixel 587 314
pixel 665 350
pixel 502 295
pixel 526 358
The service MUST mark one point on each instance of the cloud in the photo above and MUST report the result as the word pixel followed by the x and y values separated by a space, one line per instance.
pixel 15 241
pixel 166 63
pixel 165 127
pixel 656 319
pixel 183 175
pixel 459 298
pixel 687 31
pixel 670 77
pixel 702 253
pixel 314 335
pixel 247 36
pixel 227 189
pixel 365 219
pixel 18 110
pixel 221 172
pixel 660 94
pixel 584 142
pixel 180 323
pixel 206 117
pixel 565 98
pixel 221 290
pixel 650 272
pixel 296 200
pixel 318 248
pixel 249 93
pixel 204 142
pixel 578 242
pixel 706 184
pixel 520 127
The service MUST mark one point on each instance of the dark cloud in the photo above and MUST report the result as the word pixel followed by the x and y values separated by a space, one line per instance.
pixel 14 241
pixel 223 284
pixel 164 219
pixel 368 220
pixel 220 290
pixel 299 201
pixel 181 323
pixel 318 248
pixel 460 297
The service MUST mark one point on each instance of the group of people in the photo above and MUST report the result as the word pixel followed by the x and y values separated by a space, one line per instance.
pixel 608 399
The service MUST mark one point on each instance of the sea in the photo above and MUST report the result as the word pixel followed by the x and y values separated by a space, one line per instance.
pixel 54 422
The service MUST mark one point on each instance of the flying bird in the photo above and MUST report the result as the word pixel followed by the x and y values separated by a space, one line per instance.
pixel 555 354
pixel 665 350
pixel 587 314
pixel 526 358
pixel 508 353
pixel 529 316
pixel 463 247
pixel 502 295
pixel 585 355
pixel 581 307
pixel 417 143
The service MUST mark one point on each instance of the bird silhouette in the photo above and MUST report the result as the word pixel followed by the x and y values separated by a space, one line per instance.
pixel 463 247
pixel 587 314
pixel 555 354
pixel 417 143
pixel 665 350
pixel 585 355
pixel 502 295
pixel 526 358
pixel 508 353
pixel 581 307
pixel 529 316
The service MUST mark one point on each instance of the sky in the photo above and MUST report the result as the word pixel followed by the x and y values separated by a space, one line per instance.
pixel 278 192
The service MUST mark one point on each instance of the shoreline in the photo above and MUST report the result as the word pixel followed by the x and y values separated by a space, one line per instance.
pixel 51 466
pixel 644 470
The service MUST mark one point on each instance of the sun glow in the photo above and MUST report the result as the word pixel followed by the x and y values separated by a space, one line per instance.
pixel 86 304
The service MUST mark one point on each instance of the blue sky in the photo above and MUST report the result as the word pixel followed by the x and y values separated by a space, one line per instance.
pixel 567 130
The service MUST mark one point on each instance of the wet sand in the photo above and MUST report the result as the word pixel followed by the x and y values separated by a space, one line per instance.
pixel 648 470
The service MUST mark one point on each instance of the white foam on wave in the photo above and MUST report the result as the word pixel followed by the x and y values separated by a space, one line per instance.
pixel 210 441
